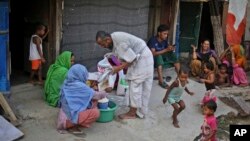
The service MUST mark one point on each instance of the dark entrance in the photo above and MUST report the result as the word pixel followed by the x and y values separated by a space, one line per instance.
pixel 206 29
pixel 21 29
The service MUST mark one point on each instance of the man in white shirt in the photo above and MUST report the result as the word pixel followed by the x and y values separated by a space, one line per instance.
pixel 136 56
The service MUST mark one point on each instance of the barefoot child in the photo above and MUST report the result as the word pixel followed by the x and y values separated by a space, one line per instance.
pixel 36 52
pixel 209 127
pixel 209 83
pixel 174 93
pixel 222 77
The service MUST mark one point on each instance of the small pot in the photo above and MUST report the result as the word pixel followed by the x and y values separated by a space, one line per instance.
pixel 103 103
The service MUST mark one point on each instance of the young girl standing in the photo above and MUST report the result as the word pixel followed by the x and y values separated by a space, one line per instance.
pixel 209 83
pixel 174 93
pixel 209 127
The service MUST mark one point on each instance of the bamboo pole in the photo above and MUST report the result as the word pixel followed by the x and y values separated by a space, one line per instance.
pixel 7 109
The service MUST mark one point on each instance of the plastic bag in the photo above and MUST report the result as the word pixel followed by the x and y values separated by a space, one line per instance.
pixel 107 83
pixel 122 86
pixel 104 68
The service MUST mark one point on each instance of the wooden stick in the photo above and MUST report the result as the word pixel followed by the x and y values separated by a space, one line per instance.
pixel 7 108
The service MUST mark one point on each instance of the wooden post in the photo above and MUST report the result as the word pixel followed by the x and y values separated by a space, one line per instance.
pixel 151 18
pixel 157 14
pixel 154 16
pixel 174 23
pixel 7 109
pixel 224 17
pixel 217 27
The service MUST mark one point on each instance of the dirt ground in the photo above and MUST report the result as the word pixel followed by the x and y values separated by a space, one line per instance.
pixel 224 121
pixel 39 119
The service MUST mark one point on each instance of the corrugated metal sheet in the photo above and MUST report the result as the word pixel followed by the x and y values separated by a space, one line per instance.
pixel 83 18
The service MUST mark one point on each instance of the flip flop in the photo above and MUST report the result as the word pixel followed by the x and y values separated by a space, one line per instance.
pixel 164 85
pixel 168 78
pixel 76 131
pixel 139 115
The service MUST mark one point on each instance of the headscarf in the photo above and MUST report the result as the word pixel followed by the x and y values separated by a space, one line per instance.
pixel 55 77
pixel 239 55
pixel 75 94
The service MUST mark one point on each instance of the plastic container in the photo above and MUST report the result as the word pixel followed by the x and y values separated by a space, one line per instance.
pixel 107 115
pixel 103 103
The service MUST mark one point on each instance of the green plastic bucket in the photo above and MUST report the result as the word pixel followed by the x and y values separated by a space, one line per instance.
pixel 107 115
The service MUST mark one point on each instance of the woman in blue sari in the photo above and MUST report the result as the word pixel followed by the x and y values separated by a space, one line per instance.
pixel 78 102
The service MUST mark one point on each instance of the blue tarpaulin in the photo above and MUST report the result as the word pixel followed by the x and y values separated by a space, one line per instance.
pixel 4 41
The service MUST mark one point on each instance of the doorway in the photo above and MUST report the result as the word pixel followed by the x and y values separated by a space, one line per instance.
pixel 206 29
pixel 21 29
pixel 190 19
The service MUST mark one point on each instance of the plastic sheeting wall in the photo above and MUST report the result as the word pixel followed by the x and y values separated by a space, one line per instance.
pixel 83 18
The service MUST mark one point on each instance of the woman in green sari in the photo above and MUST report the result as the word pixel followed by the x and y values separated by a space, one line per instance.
pixel 56 75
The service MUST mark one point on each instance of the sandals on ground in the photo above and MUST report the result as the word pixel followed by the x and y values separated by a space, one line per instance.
pixel 77 132
pixel 168 78
pixel 164 85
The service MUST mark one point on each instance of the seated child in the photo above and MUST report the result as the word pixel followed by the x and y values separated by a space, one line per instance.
pixel 209 83
pixel 222 77
pixel 174 93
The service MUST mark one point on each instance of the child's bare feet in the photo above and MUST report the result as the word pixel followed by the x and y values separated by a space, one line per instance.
pixel 175 123
pixel 31 82
pixel 176 119
pixel 40 83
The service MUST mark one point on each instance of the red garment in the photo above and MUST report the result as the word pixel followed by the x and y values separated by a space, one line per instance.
pixel 233 36
pixel 239 75
pixel 209 125
pixel 209 95
pixel 85 119
pixel 35 64
pixel 236 21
